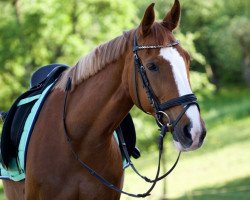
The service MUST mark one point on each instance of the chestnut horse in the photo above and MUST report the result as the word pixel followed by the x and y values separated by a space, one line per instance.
pixel 102 93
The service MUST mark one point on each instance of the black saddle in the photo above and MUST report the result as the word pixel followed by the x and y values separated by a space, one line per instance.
pixel 15 118
pixel 45 72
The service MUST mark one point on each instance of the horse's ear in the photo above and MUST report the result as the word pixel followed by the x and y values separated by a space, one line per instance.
pixel 148 20
pixel 171 20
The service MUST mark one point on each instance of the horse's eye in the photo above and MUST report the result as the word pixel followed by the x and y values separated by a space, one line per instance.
pixel 152 67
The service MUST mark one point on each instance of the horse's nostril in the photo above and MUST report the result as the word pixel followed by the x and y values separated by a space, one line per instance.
pixel 186 131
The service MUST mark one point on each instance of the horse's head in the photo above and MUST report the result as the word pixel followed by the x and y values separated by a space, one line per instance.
pixel 159 79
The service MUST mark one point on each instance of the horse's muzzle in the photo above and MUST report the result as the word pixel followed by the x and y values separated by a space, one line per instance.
pixel 185 140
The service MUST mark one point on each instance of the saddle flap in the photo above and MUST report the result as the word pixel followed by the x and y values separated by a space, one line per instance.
pixel 8 149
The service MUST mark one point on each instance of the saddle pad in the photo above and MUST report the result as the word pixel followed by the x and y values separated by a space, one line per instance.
pixel 125 163
pixel 17 115
pixel 16 169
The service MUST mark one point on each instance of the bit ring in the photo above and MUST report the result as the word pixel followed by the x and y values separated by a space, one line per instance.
pixel 169 125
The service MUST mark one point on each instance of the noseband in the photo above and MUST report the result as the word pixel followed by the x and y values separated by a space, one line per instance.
pixel 159 108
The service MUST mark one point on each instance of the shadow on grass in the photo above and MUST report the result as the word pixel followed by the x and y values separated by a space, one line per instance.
pixel 237 189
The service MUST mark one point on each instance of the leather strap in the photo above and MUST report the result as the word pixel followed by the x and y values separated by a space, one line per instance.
pixel 127 157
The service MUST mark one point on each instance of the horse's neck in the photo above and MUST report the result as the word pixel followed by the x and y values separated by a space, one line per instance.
pixel 97 106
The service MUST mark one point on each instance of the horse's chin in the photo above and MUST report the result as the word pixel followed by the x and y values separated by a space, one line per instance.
pixel 182 148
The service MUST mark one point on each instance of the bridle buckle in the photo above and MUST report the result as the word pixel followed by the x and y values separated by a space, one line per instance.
pixel 170 127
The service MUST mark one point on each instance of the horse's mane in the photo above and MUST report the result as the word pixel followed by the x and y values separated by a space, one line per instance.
pixel 94 61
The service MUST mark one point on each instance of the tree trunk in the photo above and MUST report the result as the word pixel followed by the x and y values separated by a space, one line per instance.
pixel 212 76
pixel 15 4
pixel 246 66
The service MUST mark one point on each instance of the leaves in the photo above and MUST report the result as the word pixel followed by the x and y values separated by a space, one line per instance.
pixel 36 33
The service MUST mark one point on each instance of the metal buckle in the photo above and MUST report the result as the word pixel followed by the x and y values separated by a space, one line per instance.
pixel 169 124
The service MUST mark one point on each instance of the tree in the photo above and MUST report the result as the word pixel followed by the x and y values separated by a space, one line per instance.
pixel 211 20
pixel 35 33
pixel 241 32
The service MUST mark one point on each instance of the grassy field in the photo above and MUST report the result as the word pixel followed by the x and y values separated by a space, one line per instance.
pixel 220 169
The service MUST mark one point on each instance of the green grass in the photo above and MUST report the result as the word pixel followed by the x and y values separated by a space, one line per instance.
pixel 2 197
pixel 236 189
pixel 220 169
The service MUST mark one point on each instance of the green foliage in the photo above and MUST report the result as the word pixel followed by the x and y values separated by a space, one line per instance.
pixel 200 84
pixel 42 32
pixel 220 25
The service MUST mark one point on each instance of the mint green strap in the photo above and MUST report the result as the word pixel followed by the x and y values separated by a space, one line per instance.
pixel 28 100
pixel 125 163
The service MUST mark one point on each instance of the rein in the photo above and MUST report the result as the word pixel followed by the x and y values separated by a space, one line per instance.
pixel 186 101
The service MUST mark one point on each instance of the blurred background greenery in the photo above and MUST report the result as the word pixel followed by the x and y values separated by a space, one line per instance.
pixel 216 34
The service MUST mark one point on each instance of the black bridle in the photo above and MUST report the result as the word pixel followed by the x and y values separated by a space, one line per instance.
pixel 186 101
pixel 159 108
